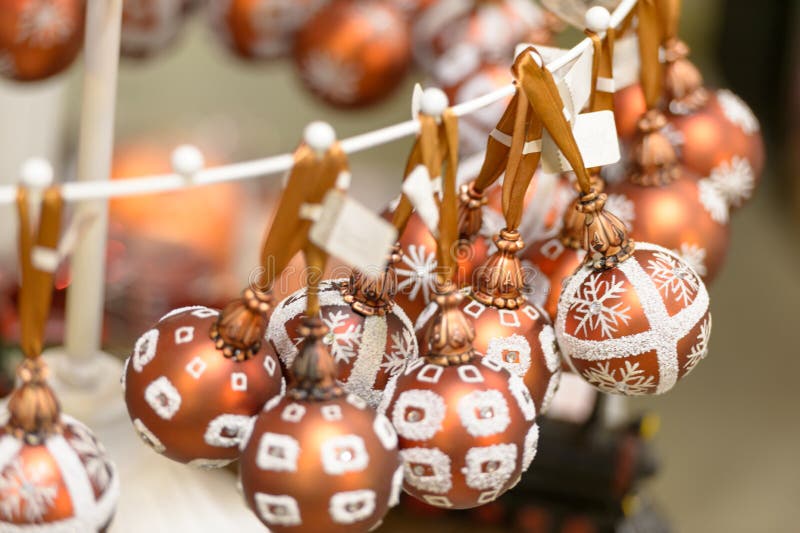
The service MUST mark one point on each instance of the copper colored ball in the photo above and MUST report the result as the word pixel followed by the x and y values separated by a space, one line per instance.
pixel 368 350
pixel 553 262
pixel 521 340
pixel 65 482
pixel 467 432
pixel 353 53
pixel 416 271
pixel 39 38
pixel 328 466
pixel 636 329
pixel 188 401
pixel 716 138
pixel 629 106
pixel 684 217
pixel 150 26
pixel 260 29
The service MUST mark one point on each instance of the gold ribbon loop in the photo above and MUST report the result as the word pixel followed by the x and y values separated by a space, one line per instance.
pixel 602 96
pixel 496 158
pixel 650 39
pixel 448 218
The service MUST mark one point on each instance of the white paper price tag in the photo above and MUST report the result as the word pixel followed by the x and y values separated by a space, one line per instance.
pixel 578 80
pixel 574 399
pixel 420 190
pixel 626 62
pixel 596 135
pixel 353 233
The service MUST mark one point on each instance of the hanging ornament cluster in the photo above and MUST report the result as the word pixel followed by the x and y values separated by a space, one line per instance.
pixel 39 38
pixel 54 473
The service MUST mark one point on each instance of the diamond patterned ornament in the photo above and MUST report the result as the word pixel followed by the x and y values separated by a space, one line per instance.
pixel 369 343
pixel 187 400
pixel 637 328
pixel 39 38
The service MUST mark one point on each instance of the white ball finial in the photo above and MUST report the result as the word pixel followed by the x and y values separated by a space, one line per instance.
pixel 598 19
pixel 187 160
pixel 37 173
pixel 320 136
pixel 434 102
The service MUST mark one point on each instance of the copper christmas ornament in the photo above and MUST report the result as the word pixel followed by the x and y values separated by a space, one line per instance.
pixel 465 423
pixel 260 29
pixel 191 397
pixel 39 38
pixel 320 459
pixel 370 337
pixel 54 473
pixel 353 52
pixel 637 328
pixel 150 26
pixel 629 106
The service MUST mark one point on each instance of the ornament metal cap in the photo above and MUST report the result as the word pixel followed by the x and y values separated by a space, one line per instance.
pixel 313 371
pixel 373 295
pixel 499 281
pixel 34 410
pixel 450 334
pixel 683 82
pixel 655 160
pixel 239 330
pixel 573 221
pixel 470 211
pixel 604 235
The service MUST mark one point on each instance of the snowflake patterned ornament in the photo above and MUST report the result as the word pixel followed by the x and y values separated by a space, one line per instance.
pixel 353 53
pixel 40 38
pixel 54 474
pixel 370 337
pixel 638 328
pixel 466 424
pixel 188 395
pixel 319 458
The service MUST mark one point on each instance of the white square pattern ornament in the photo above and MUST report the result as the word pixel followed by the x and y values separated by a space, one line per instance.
pixel 348 230
pixel 596 135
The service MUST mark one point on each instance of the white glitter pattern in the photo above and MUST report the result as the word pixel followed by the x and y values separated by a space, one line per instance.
pixel 593 309
pixel 277 453
pixel 629 380
pixel 144 350
pixel 484 413
pixel 352 506
pixel 512 352
pixel 734 180
pixel 163 397
pixel 738 112
pixel 278 510
pixel 713 200
pixel 330 76
pixel 418 414
pixel 700 348
pixel 419 273
pixel 344 453
pixel 531 446
pixel 673 278
pixel 490 467
pixel 427 469
pixel 226 431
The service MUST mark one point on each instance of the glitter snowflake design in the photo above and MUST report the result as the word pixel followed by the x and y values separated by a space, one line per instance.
pixel 694 256
pixel 734 180
pixel 622 207
pixel 93 455
pixel 332 77
pixel 713 200
pixel 344 339
pixel 44 23
pixel 593 308
pixel 23 495
pixel 738 112
pixel 402 350
pixel 673 278
pixel 8 66
pixel 630 380
pixel 419 274
pixel 700 349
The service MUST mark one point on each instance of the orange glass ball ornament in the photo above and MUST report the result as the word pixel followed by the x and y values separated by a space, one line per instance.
pixel 39 38
pixel 352 52
pixel 260 29
pixel 551 262
pixel 369 347
pixel 629 106
pixel 150 26
pixel 467 432
pixel 186 399
pixel 59 482
pixel 637 328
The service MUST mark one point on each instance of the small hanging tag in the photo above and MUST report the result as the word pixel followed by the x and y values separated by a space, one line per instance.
pixel 348 230
pixel 596 135
pixel 548 53
pixel 626 62
pixel 419 188
pixel 578 80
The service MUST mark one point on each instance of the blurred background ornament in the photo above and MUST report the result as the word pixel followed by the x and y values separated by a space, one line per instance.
pixel 187 396
pixel 574 11
pixel 353 53
pixel 151 26
pixel 260 29
pixel 39 38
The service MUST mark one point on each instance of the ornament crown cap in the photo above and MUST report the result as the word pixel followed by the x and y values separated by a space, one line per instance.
pixel 604 236
pixel 450 334
pixel 655 160
pixel 500 281
pixel 373 295
pixel 571 234
pixel 470 210
pixel 239 330
pixel 33 407
pixel 683 82
pixel 313 371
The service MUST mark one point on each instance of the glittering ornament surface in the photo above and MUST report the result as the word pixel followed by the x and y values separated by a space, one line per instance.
pixel 467 432
pixel 521 340
pixel 260 29
pixel 39 38
pixel 688 216
pixel 185 399
pixel 368 350
pixel 352 52
pixel 636 329
pixel 149 26
pixel 328 466
pixel 65 483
